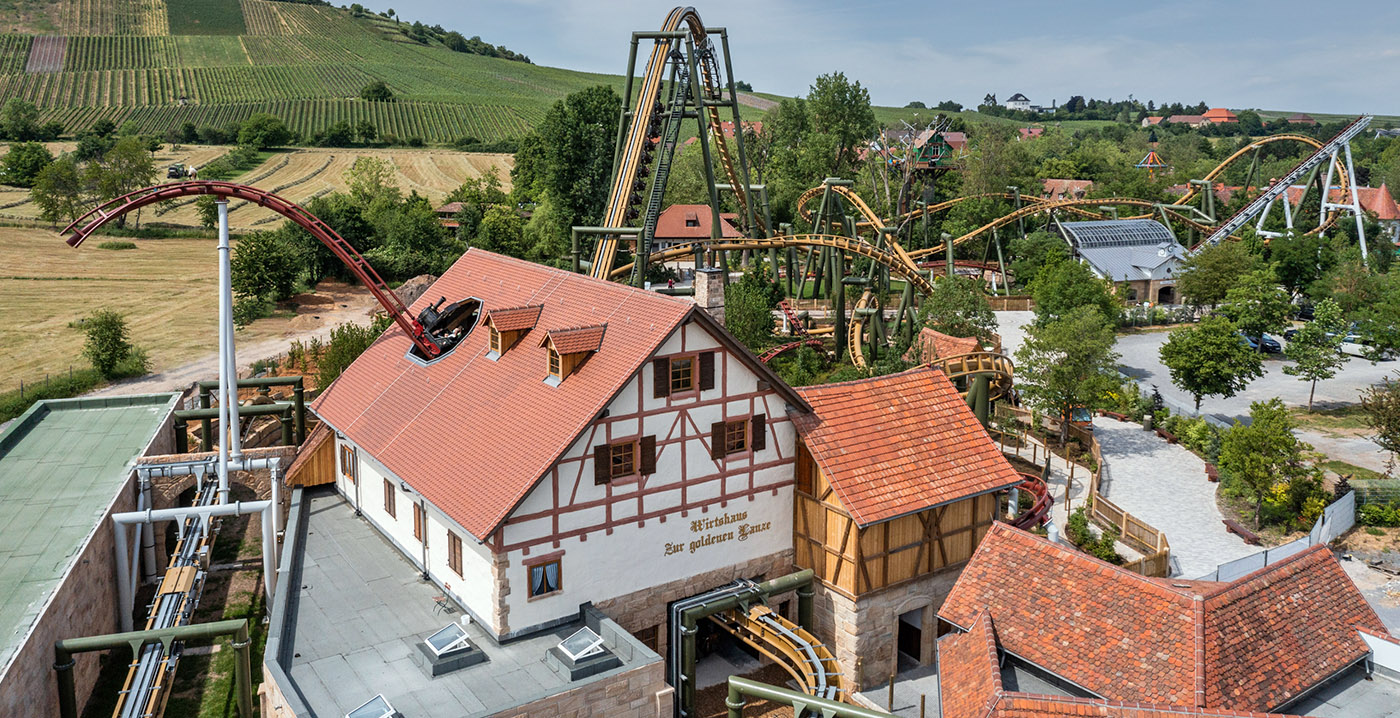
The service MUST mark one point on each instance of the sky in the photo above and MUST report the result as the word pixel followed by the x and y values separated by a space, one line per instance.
pixel 1277 55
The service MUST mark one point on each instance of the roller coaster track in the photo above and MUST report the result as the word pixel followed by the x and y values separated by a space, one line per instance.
pixel 769 355
pixel 972 364
pixel 1056 205
pixel 85 225
pixel 645 123
pixel 1040 507
pixel 805 658
pixel 151 673
pixel 905 269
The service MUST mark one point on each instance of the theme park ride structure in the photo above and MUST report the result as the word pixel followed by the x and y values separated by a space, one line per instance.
pixel 435 331
pixel 648 132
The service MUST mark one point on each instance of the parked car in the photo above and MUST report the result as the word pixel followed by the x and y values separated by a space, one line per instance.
pixel 1271 344
pixel 1360 345
pixel 177 171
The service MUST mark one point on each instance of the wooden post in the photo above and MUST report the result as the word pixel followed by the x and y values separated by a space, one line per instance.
pixel 1069 484
pixel 923 701
pixel 891 698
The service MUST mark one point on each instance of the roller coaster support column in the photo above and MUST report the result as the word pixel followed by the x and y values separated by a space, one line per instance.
pixel 621 120
pixel 838 298
pixel 1020 221
pixel 577 232
pixel 1208 197
pixel 63 651
pixel 228 391
pixel 739 141
pixel 802 704
pixel 979 398
pixel 263 383
pixel 1355 204
pixel 697 91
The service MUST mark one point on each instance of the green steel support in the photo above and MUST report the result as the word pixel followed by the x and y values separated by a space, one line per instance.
pixel 263 383
pixel 1253 170
pixel 622 118
pixel 206 427
pixel 739 145
pixel 576 232
pixel 979 398
pixel 1001 265
pixel 800 581
pixel 63 651
pixel 838 303
pixel 802 704
pixel 285 409
pixel 697 91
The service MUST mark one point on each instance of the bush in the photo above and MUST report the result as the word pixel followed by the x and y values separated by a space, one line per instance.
pixel 1379 514
pixel 377 91
pixel 1102 547
pixel 248 308
pixel 348 342
pixel 116 245
pixel 107 343
pixel 265 265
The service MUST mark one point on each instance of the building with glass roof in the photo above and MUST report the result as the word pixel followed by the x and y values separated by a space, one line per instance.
pixel 1141 253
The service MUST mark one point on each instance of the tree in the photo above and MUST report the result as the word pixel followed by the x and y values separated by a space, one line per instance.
pixel 263 131
pixel 958 307
pixel 19 120
pixel 24 162
pixel 1317 347
pixel 501 230
pixel 748 309
pixel 1381 404
pixel 1033 253
pixel 841 108
pixel 1068 362
pixel 1063 287
pixel 208 210
pixel 377 91
pixel 264 266
pixel 125 168
pixel 1209 359
pixel 337 135
pixel 107 343
pixel 916 105
pixel 1256 305
pixel 59 191
pixel 742 86
pixel 568 158
pixel 1263 453
pixel 1301 259
pixel 366 130
pixel 371 182
pixel 1206 276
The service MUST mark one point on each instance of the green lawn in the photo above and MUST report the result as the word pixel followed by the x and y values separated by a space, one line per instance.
pixel 1356 472
pixel 205 17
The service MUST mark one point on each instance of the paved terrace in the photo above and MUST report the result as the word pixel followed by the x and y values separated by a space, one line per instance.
pixel 1166 486
pixel 61 466
pixel 358 612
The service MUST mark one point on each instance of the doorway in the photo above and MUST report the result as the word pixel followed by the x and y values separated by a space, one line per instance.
pixel 1166 295
pixel 909 639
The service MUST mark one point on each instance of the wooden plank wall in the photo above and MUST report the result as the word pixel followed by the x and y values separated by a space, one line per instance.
pixel 318 467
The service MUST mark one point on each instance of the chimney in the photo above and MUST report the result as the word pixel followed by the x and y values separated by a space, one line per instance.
pixel 709 291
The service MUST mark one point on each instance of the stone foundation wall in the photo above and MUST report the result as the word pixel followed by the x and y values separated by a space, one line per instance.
pixel 863 633
pixel 638 693
pixel 643 609
pixel 83 604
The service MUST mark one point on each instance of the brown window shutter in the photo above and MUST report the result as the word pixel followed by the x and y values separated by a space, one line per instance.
pixel 717 440
pixel 707 371
pixel 758 439
pixel 648 459
pixel 602 464
pixel 661 374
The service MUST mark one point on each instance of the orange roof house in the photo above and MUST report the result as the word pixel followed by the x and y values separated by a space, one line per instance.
pixel 1030 133
pixel 1376 200
pixel 1300 118
pixel 1122 642
pixel 900 467
pixel 933 344
pixel 1056 189
pixel 1220 115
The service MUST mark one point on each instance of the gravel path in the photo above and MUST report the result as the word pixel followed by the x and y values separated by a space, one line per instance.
pixel 1165 485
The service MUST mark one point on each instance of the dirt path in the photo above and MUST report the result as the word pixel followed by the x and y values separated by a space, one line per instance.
pixel 313 320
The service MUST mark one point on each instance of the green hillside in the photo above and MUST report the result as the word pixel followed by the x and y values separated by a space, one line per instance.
pixel 161 63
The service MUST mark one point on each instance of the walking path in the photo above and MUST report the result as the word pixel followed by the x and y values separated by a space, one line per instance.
pixel 1165 485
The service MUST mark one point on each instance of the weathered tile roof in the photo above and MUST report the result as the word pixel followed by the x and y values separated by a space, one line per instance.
pixel 576 340
pixel 1251 645
pixel 474 435
pixel 937 345
pixel 897 444
pixel 515 319
pixel 969 675
pixel 672 223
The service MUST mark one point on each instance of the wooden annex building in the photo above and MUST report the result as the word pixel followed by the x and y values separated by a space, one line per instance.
pixel 896 484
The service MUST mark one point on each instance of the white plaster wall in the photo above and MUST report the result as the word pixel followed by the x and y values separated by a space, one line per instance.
pixel 632 556
pixel 475 588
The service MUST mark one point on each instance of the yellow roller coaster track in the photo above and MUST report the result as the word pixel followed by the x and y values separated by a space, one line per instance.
pixel 638 134
pixel 805 658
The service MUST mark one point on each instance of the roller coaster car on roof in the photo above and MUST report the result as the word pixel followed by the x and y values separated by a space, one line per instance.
pixel 447 326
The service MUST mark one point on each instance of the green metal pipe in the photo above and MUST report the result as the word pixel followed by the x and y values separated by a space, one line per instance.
pixel 802 704
pixel 206 427
pixel 182 436
pixel 64 649
pixel 838 182
pixel 298 384
pixel 253 410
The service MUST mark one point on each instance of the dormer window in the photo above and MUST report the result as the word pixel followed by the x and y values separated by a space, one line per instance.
pixel 568 349
pixel 507 326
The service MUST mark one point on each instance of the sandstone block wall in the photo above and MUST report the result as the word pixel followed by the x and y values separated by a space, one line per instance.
pixel 638 693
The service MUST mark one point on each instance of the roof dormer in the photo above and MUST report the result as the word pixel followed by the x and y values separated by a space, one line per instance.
pixel 508 326
pixel 568 349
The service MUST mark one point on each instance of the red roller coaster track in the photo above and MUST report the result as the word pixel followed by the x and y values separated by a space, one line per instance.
pixel 88 223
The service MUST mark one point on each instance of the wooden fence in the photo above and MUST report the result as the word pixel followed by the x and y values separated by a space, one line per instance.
pixel 1013 303
pixel 1141 536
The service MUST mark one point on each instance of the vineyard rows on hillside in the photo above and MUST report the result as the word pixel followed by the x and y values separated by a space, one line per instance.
pixel 106 17
pixel 14 52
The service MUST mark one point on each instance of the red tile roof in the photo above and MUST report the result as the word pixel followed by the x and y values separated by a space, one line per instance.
pixel 1154 120
pixel 1187 119
pixel 1376 200
pixel 473 435
pixel 1066 188
pixel 672 223
pixel 1220 114
pixel 969 675
pixel 897 444
pixel 514 319
pixel 1250 645
pixel 937 345
pixel 574 341
pixel 1021 705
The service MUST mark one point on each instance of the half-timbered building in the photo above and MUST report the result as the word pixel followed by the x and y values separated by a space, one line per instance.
pixel 586 442
pixel 896 484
